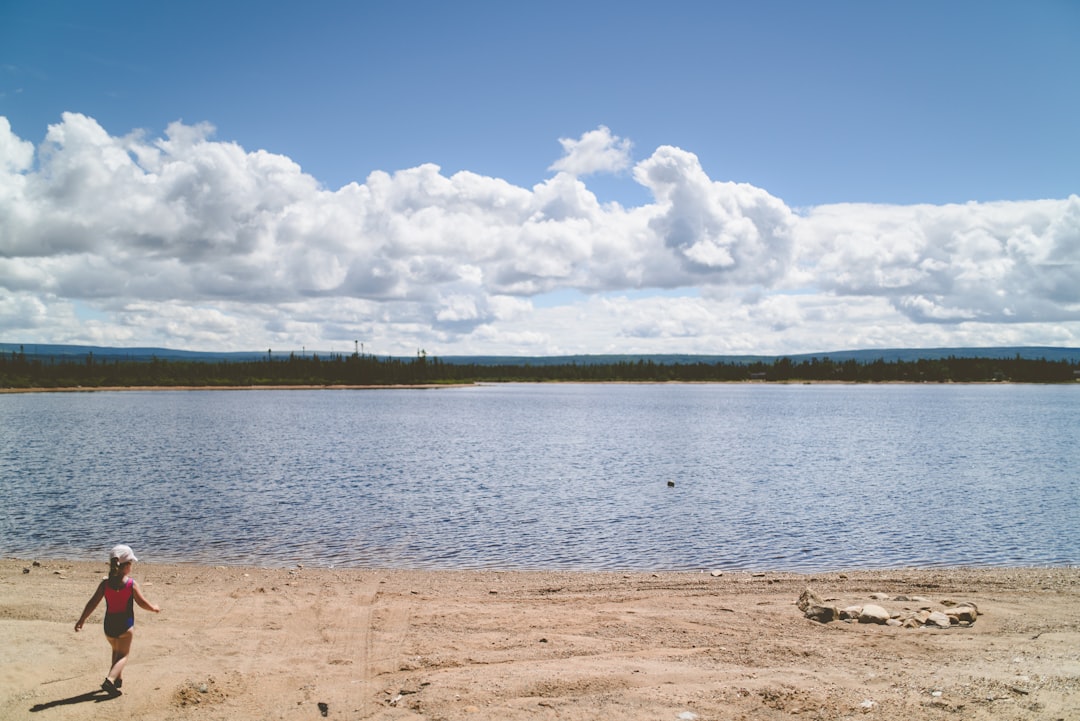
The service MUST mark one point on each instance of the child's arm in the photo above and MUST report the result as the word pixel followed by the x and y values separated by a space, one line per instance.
pixel 91 605
pixel 141 599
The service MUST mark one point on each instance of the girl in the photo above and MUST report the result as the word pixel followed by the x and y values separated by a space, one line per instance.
pixel 120 592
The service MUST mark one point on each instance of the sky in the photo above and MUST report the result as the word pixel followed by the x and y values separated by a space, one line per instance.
pixel 478 178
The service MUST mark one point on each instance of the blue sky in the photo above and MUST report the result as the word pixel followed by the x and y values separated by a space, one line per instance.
pixel 611 176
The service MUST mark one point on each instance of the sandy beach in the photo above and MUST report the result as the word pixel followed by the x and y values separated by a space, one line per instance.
pixel 305 643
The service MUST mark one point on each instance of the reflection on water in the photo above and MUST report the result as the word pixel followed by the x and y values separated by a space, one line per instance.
pixel 550 476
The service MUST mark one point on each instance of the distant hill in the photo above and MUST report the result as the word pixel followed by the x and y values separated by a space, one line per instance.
pixel 44 350
pixel 890 355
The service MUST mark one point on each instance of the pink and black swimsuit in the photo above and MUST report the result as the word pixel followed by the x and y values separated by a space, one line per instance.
pixel 119 609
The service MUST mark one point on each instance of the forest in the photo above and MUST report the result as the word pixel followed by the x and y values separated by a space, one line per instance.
pixel 19 371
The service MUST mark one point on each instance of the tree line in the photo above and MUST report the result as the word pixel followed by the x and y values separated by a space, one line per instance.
pixel 17 370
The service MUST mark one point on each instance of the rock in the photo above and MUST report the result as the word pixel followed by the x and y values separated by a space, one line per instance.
pixel 873 614
pixel 954 614
pixel 808 599
pixel 964 613
pixel 822 614
pixel 851 612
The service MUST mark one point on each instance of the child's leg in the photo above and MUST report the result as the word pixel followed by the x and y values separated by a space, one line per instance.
pixel 121 646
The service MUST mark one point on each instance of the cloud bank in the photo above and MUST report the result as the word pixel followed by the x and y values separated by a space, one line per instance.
pixel 186 241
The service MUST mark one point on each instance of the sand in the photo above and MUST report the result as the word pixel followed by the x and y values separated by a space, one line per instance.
pixel 249 643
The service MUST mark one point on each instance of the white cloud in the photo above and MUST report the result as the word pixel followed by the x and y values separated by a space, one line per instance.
pixel 597 151
pixel 190 242
pixel 729 230
pixel 991 262
pixel 15 154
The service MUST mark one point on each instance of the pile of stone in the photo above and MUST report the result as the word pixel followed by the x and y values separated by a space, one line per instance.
pixel 915 612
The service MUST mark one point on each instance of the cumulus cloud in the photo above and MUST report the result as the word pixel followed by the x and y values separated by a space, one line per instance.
pixel 597 151
pixel 990 262
pixel 187 241
pixel 15 154
pixel 729 230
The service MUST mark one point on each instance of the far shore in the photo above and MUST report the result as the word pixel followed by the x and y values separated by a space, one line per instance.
pixel 91 389
pixel 468 384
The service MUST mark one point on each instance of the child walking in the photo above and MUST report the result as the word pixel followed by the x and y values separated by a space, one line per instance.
pixel 120 592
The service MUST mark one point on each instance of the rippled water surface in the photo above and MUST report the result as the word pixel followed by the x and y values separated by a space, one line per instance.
pixel 550 476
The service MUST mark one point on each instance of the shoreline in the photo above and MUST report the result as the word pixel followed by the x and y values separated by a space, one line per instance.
pixel 92 389
pixel 20 557
pixel 472 384
pixel 251 643
pixel 934 575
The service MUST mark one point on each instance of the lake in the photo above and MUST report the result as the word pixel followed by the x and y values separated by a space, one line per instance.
pixel 560 476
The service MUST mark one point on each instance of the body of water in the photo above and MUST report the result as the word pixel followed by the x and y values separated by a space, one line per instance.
pixel 567 476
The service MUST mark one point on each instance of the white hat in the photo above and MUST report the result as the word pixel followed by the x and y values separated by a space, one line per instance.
pixel 122 553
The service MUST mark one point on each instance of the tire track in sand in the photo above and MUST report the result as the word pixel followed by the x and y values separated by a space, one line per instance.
pixel 362 631
pixel 277 638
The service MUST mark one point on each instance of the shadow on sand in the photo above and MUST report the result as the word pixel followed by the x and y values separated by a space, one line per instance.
pixel 95 696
